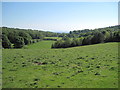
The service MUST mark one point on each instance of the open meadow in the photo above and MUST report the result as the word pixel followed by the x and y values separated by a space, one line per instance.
pixel 60 44
pixel 40 45
pixel 39 66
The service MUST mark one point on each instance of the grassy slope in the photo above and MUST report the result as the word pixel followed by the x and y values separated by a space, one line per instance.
pixel 41 45
pixel 63 69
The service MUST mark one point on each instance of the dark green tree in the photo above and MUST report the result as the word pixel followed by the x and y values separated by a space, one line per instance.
pixel 87 40
pixel 19 42
pixel 27 38
pixel 97 38
pixel 5 42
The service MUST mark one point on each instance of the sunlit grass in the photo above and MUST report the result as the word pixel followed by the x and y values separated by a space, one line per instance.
pixel 92 66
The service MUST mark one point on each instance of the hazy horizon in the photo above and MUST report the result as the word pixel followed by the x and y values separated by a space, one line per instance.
pixel 55 31
pixel 59 16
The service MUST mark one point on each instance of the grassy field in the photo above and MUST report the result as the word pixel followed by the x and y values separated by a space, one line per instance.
pixel 41 45
pixel 93 66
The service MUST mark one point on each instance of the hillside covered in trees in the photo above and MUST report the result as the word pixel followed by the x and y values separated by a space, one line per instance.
pixel 17 38
pixel 88 37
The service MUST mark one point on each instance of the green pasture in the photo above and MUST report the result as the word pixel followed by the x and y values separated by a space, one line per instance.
pixel 46 44
pixel 39 66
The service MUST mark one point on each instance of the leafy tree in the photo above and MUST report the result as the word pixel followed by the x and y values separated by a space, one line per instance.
pixel 97 38
pixel 76 42
pixel 67 43
pixel 11 36
pixel 5 42
pixel 26 37
pixel 106 35
pixel 19 42
pixel 58 44
pixel 117 36
pixel 87 40
pixel 73 43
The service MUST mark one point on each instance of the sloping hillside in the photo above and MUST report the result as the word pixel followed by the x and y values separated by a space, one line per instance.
pixel 92 66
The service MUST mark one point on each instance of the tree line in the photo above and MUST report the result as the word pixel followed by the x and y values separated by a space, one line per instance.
pixel 88 37
pixel 17 38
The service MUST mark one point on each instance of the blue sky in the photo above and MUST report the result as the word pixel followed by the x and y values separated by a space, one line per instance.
pixel 59 16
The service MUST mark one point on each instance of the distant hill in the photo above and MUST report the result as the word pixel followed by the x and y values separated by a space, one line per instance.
pixel 88 37
pixel 86 32
pixel 17 38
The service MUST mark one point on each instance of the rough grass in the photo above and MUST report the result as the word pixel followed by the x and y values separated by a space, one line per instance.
pixel 93 66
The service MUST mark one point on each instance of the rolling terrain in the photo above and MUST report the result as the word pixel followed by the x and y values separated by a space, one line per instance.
pixel 39 66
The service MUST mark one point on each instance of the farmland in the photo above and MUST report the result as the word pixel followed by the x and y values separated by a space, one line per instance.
pixel 39 66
